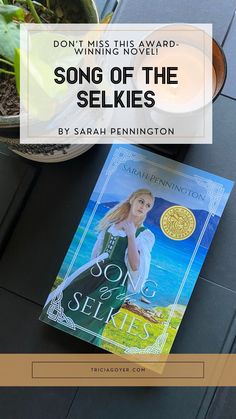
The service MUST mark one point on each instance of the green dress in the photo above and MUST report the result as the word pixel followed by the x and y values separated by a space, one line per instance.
pixel 101 293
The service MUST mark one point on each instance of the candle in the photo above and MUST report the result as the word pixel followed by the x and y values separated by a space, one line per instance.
pixel 192 91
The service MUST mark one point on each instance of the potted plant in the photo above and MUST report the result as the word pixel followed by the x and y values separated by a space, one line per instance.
pixel 12 13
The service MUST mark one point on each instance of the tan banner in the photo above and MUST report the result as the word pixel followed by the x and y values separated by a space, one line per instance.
pixel 110 370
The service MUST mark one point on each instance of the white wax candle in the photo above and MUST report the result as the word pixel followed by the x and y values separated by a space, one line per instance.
pixel 195 72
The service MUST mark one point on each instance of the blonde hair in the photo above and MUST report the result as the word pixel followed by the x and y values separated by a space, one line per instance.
pixel 121 211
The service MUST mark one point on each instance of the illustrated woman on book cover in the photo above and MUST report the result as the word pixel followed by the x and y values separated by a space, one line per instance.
pixel 119 266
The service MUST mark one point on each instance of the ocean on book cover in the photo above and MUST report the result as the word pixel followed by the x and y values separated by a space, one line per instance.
pixel 135 257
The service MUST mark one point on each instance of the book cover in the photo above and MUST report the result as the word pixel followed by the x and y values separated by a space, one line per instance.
pixel 131 267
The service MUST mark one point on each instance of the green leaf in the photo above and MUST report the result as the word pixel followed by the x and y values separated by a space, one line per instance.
pixel 42 91
pixel 9 39
pixel 17 69
pixel 9 12
pixel 107 18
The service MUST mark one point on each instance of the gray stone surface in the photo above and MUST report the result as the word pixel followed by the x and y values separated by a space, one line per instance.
pixel 36 403
pixel 162 11
pixel 229 49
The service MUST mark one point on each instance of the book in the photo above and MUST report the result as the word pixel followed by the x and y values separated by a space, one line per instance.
pixel 135 257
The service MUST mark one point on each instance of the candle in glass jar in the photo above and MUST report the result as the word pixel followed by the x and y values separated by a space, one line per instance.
pixel 195 71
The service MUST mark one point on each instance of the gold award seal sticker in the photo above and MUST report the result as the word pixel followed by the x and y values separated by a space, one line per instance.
pixel 177 222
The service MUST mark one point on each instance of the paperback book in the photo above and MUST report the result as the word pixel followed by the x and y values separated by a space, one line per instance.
pixel 135 257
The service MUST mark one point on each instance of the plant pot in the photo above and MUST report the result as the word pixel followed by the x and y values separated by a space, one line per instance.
pixel 73 11
pixel 76 11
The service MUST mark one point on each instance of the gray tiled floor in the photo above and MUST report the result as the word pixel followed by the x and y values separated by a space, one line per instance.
pixel 217 12
pixel 230 53
pixel 36 403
